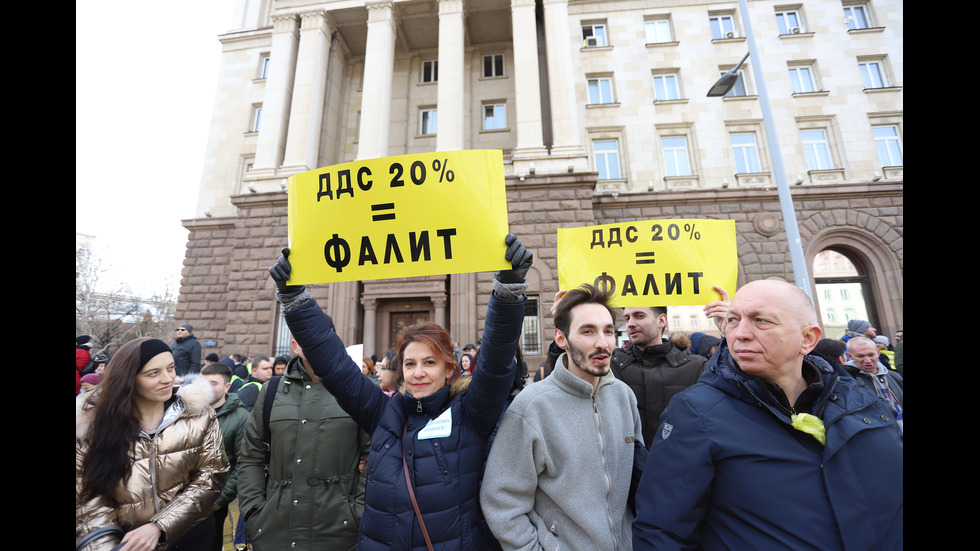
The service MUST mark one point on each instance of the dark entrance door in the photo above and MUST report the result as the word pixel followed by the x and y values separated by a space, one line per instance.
pixel 400 320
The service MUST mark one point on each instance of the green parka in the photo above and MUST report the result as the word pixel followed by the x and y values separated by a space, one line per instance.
pixel 314 496
pixel 232 417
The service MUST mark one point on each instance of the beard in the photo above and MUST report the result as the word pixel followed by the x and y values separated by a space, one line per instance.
pixel 583 362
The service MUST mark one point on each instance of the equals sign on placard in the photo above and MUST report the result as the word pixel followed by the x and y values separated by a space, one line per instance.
pixel 381 207
pixel 645 258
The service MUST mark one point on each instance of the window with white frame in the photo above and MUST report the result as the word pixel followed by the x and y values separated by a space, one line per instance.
pixel 256 123
pixel 722 26
pixel 493 65
pixel 600 90
pixel 430 70
pixel 494 116
pixel 677 161
pixel 594 35
pixel 531 332
pixel 802 79
pixel 816 148
pixel 889 145
pixel 428 121
pixel 264 66
pixel 873 73
pixel 658 31
pixel 606 156
pixel 666 87
pixel 789 21
pixel 745 151
pixel 857 17
pixel 247 162
pixel 282 340
pixel 738 89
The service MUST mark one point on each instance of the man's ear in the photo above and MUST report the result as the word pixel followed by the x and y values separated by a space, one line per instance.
pixel 560 339
pixel 811 336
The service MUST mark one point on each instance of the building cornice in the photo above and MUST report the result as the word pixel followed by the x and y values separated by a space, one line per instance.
pixel 210 224
pixel 260 200
pixel 715 196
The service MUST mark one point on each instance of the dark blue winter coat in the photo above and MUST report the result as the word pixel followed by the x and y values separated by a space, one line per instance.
pixel 728 471
pixel 446 471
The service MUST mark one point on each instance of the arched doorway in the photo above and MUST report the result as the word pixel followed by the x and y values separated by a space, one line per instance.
pixel 843 291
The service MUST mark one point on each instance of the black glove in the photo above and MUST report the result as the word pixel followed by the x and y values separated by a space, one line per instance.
pixel 519 257
pixel 280 274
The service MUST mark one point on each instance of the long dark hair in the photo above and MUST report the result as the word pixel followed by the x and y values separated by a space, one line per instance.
pixel 115 425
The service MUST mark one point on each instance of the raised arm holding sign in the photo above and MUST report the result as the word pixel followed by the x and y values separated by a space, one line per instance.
pixel 434 433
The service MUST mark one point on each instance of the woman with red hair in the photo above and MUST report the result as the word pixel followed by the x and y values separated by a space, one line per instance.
pixel 429 440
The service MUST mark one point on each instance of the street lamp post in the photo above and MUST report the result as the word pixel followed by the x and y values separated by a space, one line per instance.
pixel 720 88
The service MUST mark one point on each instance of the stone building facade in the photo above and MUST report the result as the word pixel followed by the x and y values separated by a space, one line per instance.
pixel 600 109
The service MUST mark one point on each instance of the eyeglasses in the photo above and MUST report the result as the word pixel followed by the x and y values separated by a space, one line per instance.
pixel 180 329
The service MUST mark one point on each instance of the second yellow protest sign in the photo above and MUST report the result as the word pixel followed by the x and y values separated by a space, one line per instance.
pixel 401 216
pixel 651 263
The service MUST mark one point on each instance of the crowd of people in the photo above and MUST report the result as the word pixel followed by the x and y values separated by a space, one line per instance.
pixel 770 437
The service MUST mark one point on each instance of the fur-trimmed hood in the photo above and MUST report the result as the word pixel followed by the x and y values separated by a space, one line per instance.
pixel 195 395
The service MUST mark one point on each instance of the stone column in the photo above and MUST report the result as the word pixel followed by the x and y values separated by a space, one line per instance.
pixel 379 60
pixel 309 93
pixel 370 326
pixel 440 304
pixel 449 135
pixel 278 95
pixel 561 84
pixel 530 141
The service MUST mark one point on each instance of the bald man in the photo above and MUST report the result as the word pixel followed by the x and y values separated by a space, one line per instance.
pixel 773 448
pixel 869 372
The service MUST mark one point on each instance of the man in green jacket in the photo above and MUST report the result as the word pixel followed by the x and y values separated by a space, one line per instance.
pixel 313 496
pixel 232 416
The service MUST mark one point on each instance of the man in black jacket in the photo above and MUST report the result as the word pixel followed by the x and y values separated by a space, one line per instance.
pixel 186 350
pixel 652 367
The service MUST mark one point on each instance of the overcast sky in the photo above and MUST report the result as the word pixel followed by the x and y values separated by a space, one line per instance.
pixel 145 81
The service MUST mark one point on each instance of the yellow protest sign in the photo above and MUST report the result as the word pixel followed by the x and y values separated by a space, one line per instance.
pixel 402 216
pixel 651 263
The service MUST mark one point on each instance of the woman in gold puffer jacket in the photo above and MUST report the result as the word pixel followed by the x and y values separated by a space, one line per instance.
pixel 148 460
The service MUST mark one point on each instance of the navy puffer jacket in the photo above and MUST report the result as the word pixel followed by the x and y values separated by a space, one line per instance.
pixel 446 471
pixel 728 471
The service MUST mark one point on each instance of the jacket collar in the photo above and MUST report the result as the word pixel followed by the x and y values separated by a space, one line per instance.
pixel 296 371
pixel 729 378
pixel 572 384
pixel 661 349
pixel 429 406
pixel 232 402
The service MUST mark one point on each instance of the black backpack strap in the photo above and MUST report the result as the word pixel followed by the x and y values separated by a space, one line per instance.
pixel 270 396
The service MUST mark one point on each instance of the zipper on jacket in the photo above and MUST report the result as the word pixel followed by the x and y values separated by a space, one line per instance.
pixel 605 471
pixel 153 476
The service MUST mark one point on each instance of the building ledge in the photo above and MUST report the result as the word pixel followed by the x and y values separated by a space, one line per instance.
pixel 882 89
